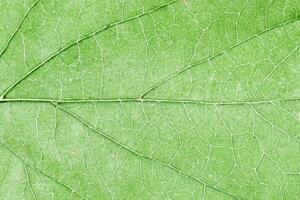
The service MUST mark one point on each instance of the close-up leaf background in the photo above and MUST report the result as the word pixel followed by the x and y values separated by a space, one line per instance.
pixel 150 99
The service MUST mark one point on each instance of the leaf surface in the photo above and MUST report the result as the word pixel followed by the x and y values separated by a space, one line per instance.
pixel 149 99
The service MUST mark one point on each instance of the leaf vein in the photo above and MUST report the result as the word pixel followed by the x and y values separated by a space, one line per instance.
pixel 18 28
pixel 40 171
pixel 82 39
pixel 141 154
pixel 197 63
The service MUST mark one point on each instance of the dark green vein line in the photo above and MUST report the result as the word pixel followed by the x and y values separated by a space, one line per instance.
pixel 40 171
pixel 155 86
pixel 82 39
pixel 169 165
pixel 18 27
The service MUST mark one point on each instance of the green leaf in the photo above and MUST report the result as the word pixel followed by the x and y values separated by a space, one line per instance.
pixel 160 99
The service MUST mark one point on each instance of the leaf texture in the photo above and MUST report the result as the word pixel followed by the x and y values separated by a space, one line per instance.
pixel 153 99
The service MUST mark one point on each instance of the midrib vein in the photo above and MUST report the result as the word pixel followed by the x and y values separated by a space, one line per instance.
pixel 148 100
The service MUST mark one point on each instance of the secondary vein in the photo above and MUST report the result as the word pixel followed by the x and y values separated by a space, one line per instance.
pixel 17 29
pixel 169 165
pixel 40 171
pixel 197 63
pixel 82 39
